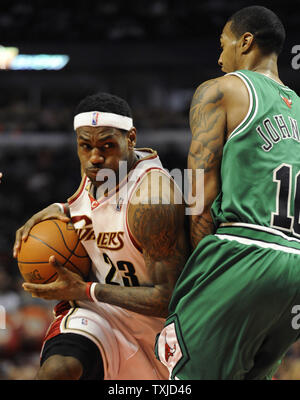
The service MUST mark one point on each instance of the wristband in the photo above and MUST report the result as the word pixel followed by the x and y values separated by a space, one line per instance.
pixel 90 291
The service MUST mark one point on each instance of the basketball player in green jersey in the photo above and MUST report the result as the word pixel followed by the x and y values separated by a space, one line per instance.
pixel 230 316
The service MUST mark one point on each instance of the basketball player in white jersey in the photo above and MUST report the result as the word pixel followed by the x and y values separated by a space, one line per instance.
pixel 134 234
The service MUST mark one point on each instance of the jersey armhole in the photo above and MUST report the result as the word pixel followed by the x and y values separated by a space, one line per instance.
pixel 78 192
pixel 139 180
pixel 253 105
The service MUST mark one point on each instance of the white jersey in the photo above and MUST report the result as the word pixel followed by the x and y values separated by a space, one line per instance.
pixel 117 260
pixel 103 228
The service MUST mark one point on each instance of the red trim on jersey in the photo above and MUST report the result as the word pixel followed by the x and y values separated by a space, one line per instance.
pixel 96 203
pixel 79 191
pixel 136 245
pixel 60 310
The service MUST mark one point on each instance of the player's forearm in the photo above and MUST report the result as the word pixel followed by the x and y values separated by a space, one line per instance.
pixel 144 300
pixel 148 300
pixel 200 226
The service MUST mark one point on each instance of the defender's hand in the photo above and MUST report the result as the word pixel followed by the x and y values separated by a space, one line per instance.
pixel 51 212
pixel 68 285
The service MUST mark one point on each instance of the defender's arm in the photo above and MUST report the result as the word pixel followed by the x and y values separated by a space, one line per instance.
pixel 208 127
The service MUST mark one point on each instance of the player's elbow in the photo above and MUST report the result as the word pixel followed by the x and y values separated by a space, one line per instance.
pixel 160 311
pixel 161 302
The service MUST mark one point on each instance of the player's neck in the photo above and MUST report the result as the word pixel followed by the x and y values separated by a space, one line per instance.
pixel 102 190
pixel 132 160
pixel 266 66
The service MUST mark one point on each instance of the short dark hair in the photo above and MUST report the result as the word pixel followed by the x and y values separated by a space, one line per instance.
pixel 264 24
pixel 104 102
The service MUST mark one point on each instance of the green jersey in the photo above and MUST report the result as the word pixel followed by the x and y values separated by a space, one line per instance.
pixel 260 171
pixel 230 315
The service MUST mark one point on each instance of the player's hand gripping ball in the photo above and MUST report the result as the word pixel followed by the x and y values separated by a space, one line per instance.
pixel 48 238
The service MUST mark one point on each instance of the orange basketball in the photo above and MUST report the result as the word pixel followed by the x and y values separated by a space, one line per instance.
pixel 47 238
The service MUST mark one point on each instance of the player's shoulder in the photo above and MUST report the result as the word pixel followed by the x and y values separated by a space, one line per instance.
pixel 222 86
pixel 156 187
pixel 231 83
pixel 155 205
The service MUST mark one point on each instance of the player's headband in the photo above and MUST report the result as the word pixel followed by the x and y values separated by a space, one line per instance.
pixel 97 118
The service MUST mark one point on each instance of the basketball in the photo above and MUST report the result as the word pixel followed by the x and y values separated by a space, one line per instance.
pixel 47 238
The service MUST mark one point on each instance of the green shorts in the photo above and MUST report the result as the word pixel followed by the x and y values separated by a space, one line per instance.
pixel 232 309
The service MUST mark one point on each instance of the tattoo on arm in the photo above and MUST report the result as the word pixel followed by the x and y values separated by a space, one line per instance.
pixel 208 124
pixel 205 119
pixel 154 227
pixel 157 222
pixel 159 228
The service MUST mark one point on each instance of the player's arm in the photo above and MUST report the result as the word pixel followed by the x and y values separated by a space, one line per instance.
pixel 159 230
pixel 54 211
pixel 208 128
pixel 218 107
pixel 156 219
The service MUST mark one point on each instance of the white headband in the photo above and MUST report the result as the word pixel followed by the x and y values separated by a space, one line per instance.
pixel 97 118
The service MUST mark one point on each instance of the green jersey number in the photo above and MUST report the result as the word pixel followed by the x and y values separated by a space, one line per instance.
pixel 282 218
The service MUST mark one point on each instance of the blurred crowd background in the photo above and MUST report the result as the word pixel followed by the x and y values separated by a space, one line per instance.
pixel 154 54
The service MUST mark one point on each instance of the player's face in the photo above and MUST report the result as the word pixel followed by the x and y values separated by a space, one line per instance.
pixel 102 148
pixel 228 56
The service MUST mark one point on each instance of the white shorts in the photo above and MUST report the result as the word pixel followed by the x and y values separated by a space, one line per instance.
pixel 126 340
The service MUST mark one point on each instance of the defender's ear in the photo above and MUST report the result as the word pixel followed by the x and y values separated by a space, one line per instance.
pixel 246 41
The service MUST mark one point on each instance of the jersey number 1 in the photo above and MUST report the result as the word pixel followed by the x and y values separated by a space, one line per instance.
pixel 282 219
